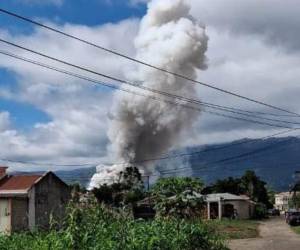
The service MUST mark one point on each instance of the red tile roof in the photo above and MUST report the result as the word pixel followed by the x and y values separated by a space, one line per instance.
pixel 23 182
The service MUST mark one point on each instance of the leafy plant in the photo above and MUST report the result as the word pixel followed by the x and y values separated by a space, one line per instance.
pixel 249 184
pixel 128 190
pixel 260 211
pixel 97 227
pixel 175 185
pixel 295 201
pixel 178 197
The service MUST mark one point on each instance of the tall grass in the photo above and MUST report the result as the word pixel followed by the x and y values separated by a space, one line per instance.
pixel 95 227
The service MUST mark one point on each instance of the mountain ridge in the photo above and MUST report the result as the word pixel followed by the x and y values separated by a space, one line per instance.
pixel 275 160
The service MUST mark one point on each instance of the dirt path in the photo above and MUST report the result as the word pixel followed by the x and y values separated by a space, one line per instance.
pixel 275 234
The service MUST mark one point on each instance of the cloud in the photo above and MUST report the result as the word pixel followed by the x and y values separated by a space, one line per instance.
pixel 274 20
pixel 249 53
pixel 249 66
pixel 78 110
pixel 4 121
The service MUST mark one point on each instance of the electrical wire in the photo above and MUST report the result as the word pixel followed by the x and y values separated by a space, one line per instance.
pixel 137 93
pixel 143 62
pixel 152 159
pixel 227 159
pixel 189 100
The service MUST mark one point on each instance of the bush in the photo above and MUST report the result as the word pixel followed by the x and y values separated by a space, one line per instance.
pixel 175 185
pixel 184 205
pixel 178 197
pixel 260 211
pixel 95 227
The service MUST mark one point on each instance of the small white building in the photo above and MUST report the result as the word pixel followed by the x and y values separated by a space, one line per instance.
pixel 282 200
pixel 229 206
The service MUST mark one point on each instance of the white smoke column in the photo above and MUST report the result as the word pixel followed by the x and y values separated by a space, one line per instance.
pixel 141 128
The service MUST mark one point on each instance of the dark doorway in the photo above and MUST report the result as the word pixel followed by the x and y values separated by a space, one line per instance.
pixel 228 211
pixel 214 210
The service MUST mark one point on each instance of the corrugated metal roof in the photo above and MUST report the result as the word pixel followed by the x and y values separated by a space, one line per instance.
pixel 18 182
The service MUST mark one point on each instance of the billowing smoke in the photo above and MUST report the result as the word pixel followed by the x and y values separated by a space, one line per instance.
pixel 141 128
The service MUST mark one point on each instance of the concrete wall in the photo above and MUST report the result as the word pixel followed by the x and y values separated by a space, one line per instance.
pixel 51 197
pixel 31 209
pixel 19 212
pixel 243 208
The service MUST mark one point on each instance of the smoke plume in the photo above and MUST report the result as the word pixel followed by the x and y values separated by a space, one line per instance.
pixel 141 128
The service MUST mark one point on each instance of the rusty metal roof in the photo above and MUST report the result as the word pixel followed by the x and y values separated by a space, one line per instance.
pixel 24 182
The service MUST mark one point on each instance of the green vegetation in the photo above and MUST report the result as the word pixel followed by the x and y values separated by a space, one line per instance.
pixel 237 229
pixel 178 197
pixel 128 190
pixel 95 227
pixel 296 229
pixel 249 184
pixel 175 185
pixel 106 223
pixel 295 201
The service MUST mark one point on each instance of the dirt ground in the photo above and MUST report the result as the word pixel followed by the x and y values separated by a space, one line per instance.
pixel 274 234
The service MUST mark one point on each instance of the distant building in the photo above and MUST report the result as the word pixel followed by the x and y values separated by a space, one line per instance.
pixel 282 200
pixel 27 201
pixel 229 206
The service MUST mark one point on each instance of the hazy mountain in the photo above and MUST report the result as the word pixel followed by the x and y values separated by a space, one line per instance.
pixel 275 160
pixel 82 175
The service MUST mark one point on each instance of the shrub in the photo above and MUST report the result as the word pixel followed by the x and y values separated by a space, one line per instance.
pixel 178 197
pixel 260 211
pixel 176 185
pixel 96 227
pixel 187 205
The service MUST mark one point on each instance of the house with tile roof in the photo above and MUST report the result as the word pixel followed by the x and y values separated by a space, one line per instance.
pixel 28 201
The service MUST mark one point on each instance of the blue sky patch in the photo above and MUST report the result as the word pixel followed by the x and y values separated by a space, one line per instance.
pixel 23 115
pixel 90 13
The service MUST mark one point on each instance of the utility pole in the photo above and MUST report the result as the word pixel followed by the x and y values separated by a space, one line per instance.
pixel 147 182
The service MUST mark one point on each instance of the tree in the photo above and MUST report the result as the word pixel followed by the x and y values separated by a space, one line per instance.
pixel 255 188
pixel 131 178
pixel 176 185
pixel 128 190
pixel 76 191
pixel 249 184
pixel 271 195
pixel 295 201
pixel 178 197
pixel 228 185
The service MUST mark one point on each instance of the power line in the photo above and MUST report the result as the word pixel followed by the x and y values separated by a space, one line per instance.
pixel 192 101
pixel 253 152
pixel 163 157
pixel 134 92
pixel 93 164
pixel 250 153
pixel 142 62
pixel 166 157
pixel 232 167
pixel 224 160
pixel 48 164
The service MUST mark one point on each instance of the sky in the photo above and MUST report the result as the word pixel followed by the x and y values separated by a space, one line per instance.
pixel 253 49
